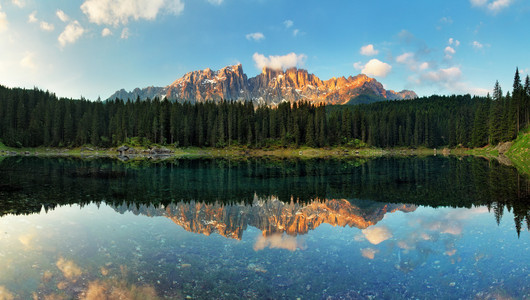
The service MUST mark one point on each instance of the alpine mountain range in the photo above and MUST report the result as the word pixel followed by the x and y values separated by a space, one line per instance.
pixel 270 87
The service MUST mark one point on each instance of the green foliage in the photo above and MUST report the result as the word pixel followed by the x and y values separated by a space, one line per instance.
pixel 519 152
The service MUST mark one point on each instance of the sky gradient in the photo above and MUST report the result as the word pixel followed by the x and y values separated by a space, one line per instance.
pixel 92 48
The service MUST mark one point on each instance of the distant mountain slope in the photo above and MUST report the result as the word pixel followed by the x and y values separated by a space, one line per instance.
pixel 269 87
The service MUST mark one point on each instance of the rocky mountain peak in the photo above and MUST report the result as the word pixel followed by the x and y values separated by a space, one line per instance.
pixel 270 87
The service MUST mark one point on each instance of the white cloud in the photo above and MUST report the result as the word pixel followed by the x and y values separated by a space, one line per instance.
pixel 478 2
pixel 62 16
pixel 3 20
pixel 296 32
pixel 449 52
pixel 106 32
pixel 71 33
pixel 376 68
pixel 377 235
pixel 46 26
pixel 498 5
pixel 19 3
pixel 405 57
pixel 115 12
pixel 409 59
pixel 494 6
pixel 368 50
pixel 454 42
pixel 477 45
pixel 125 33
pixel 449 79
pixel 444 75
pixel 32 17
pixel 277 62
pixel 288 23
pixel 358 65
pixel 256 36
pixel 27 61
pixel 369 253
pixel 216 2
pixel 278 241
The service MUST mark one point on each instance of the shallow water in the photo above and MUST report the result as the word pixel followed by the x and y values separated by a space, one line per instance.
pixel 386 228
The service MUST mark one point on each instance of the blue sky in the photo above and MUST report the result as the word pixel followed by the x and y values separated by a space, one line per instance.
pixel 92 48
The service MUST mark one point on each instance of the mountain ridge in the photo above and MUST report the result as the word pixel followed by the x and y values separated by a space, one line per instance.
pixel 270 87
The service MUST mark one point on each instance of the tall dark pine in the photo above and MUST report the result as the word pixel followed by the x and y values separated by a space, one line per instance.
pixel 517 99
pixel 496 112
pixel 525 120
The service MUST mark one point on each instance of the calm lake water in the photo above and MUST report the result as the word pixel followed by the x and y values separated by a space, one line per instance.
pixel 388 228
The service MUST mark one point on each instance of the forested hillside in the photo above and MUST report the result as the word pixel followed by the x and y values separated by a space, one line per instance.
pixel 37 118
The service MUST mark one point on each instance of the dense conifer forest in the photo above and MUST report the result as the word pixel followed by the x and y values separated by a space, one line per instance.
pixel 30 118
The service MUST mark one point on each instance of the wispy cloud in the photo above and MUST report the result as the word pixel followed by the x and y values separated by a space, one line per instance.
pixel 216 2
pixel 405 58
pixel 125 33
pixel 279 62
pixel 115 12
pixel 368 50
pixel 409 59
pixel 449 79
pixel 32 17
pixel 446 20
pixel 28 61
pixel 477 45
pixel 3 20
pixel 454 42
pixel 106 32
pixel 369 253
pixel 449 52
pixel 288 23
pixel 256 36
pixel 19 3
pixel 46 26
pixel 278 241
pixel 450 49
pixel 494 6
pixel 62 16
pixel 71 33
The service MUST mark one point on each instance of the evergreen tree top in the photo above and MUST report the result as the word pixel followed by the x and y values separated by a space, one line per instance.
pixel 517 82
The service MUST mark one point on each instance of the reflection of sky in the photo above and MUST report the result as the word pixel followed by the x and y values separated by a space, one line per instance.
pixel 415 237
pixel 90 249
pixel 279 241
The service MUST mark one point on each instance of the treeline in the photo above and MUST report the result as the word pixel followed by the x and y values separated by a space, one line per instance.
pixel 37 118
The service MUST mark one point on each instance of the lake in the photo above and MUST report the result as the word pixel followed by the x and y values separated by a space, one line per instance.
pixel 400 228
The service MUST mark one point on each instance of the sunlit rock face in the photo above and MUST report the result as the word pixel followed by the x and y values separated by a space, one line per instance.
pixel 271 216
pixel 269 87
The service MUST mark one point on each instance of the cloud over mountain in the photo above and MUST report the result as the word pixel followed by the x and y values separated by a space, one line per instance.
pixel 279 62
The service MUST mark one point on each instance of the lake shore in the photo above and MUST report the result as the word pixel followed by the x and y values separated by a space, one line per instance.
pixel 161 152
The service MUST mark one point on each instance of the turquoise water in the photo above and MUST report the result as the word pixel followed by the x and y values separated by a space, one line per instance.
pixel 377 229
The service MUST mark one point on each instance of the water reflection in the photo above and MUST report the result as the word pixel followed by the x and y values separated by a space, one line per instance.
pixel 28 184
pixel 277 229
pixel 271 216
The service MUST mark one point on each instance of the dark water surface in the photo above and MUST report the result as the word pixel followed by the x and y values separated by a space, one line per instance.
pixel 389 228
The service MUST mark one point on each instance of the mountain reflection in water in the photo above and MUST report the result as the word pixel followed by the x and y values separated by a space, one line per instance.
pixel 271 216
pixel 388 228
pixel 28 183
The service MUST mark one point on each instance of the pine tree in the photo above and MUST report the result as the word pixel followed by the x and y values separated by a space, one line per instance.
pixel 495 118
pixel 517 99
